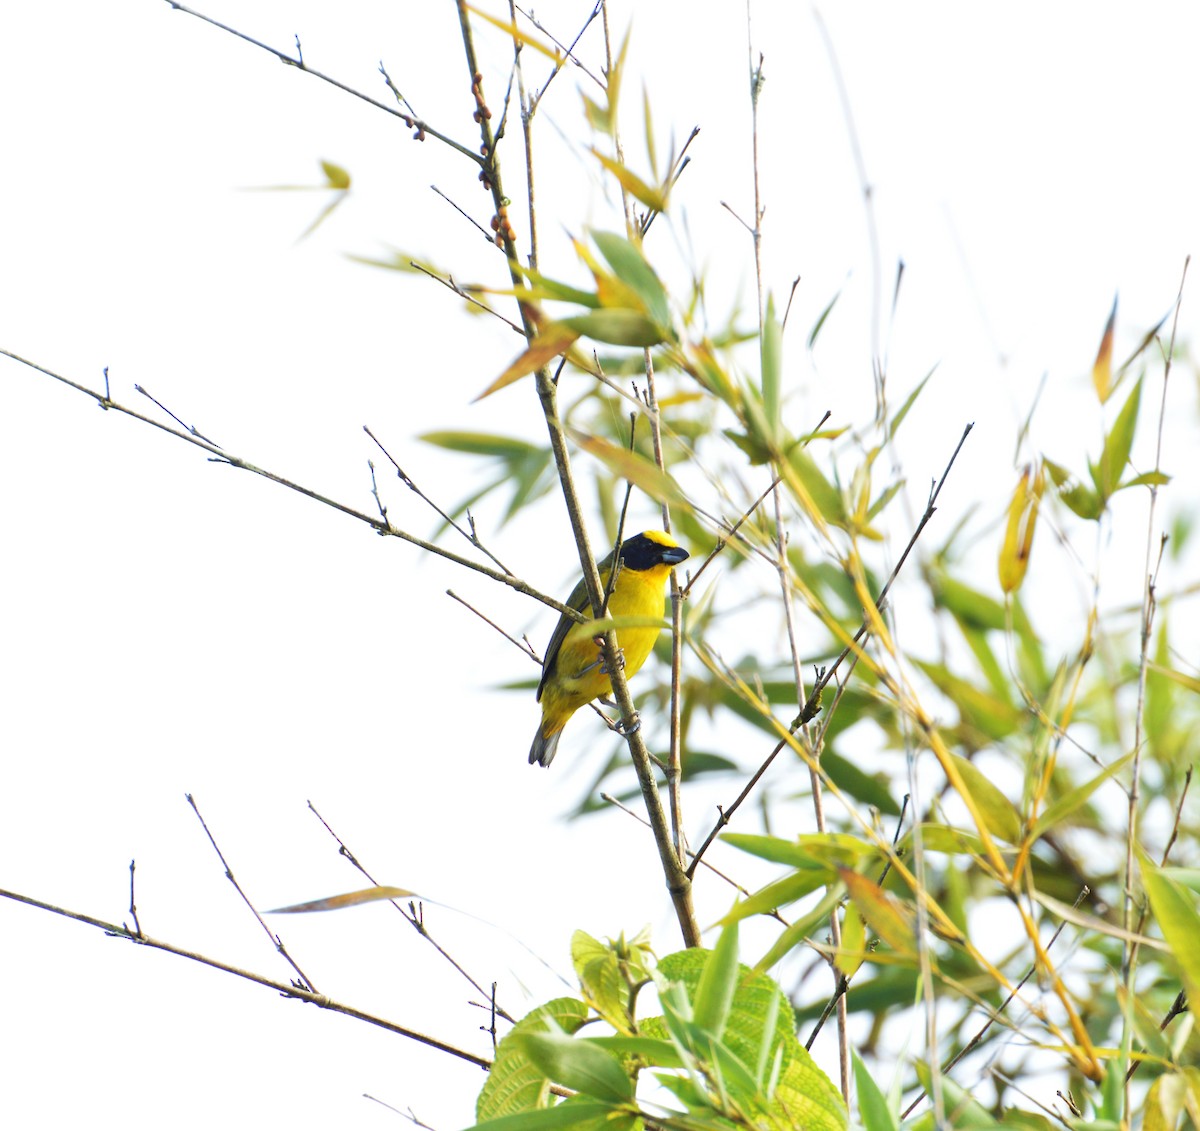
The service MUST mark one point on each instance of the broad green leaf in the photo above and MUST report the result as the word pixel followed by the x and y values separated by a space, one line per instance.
pixel 578 1112
pixel 515 1083
pixel 1119 443
pixel 653 1050
pixel 1176 912
pixel 578 1065
pixel 714 994
pixel 616 325
pixel 807 1098
pixel 873 1108
pixel 1102 367
pixel 999 814
pixel 599 972
pixel 1073 800
pixel 627 260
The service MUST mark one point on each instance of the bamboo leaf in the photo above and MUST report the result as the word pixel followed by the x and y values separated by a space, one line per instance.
pixel 1176 912
pixel 550 342
pixel 641 472
pixel 651 197
pixel 579 1065
pixel 630 264
pixel 1119 443
pixel 349 899
pixel 1102 367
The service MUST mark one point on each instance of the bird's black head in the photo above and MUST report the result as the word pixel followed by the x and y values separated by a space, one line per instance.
pixel 651 548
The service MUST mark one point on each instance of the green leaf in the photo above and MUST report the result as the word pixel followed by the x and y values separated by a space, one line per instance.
pixel 515 1083
pixel 576 1112
pixel 1074 494
pixel 807 1098
pixel 800 929
pixel 815 493
pixel 631 266
pixel 641 472
pixel 909 401
pixel 778 894
pixel 482 444
pixel 875 1111
pixel 599 973
pixel 771 361
pixel 1119 443
pixel 714 994
pixel 1001 817
pixel 962 1112
pixel 820 322
pixel 1073 800
pixel 1175 910
pixel 616 325
pixel 579 1065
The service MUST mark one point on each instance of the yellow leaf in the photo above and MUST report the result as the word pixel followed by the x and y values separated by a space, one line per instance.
pixel 1018 535
pixel 651 197
pixel 1102 369
pixel 553 340
pixel 337 177
pixel 349 899
pixel 510 28
pixel 883 913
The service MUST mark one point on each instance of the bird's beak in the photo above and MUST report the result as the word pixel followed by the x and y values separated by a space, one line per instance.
pixel 674 555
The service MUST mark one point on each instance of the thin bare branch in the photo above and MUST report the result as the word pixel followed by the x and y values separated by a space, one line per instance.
pixel 305 982
pixel 286 989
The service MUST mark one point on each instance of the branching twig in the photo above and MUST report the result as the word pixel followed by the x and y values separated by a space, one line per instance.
pixel 471 535
pixel 298 62
pixel 414 917
pixel 379 525
pixel 286 989
pixel 305 983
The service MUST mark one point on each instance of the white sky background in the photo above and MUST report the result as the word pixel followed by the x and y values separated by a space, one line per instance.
pixel 170 625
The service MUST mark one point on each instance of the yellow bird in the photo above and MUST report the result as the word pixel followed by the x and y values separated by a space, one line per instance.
pixel 573 672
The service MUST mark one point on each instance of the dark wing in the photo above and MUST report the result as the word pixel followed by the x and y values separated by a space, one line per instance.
pixel 578 600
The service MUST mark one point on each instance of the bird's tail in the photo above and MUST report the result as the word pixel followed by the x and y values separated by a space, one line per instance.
pixel 543 748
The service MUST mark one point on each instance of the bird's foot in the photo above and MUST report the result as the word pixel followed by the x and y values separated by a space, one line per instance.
pixel 634 726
